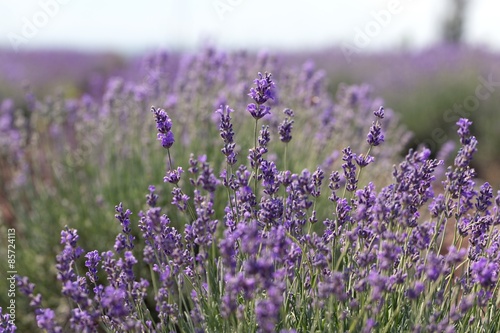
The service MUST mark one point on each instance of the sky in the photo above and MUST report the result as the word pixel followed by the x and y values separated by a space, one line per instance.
pixel 137 26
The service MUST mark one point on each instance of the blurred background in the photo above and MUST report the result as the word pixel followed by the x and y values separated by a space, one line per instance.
pixel 425 58
pixel 132 28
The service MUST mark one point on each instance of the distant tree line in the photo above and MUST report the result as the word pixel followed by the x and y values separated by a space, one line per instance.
pixel 453 25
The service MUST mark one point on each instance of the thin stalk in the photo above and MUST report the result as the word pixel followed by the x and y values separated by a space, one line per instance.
pixel 189 206
pixel 256 167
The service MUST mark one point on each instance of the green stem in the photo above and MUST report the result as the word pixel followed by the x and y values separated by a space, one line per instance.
pixel 285 157
pixel 256 167
pixel 189 206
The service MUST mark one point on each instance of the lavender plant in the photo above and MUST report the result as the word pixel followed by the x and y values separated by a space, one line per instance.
pixel 73 159
pixel 379 262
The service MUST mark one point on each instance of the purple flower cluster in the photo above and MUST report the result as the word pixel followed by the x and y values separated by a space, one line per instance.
pixel 164 127
pixel 285 128
pixel 375 136
pixel 227 134
pixel 7 323
pixel 263 91
pixel 125 240
pixel 349 169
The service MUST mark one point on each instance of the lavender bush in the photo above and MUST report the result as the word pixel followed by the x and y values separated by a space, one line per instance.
pixel 378 261
pixel 72 159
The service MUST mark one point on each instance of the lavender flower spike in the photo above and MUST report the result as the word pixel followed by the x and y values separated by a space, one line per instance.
pixel 164 126
pixel 227 134
pixel 463 130
pixel 264 90
pixel 285 128
pixel 6 322
pixel 376 137
pixel 258 111
pixel 261 94
pixel 379 113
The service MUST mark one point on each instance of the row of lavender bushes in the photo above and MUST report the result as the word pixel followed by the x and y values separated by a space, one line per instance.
pixel 247 246
pixel 432 86
pixel 45 72
pixel 421 85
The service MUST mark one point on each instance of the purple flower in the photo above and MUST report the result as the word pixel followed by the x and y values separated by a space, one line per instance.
pixel 264 88
pixel 369 326
pixel 66 259
pixel 271 210
pixel 255 155
pixel 437 206
pixel 421 236
pixel 206 179
pixel 123 217
pixel 246 196
pixel 202 229
pixel 343 209
pixel 84 321
pixel 30 100
pixel 379 113
pixel 193 164
pixel 167 140
pixel 455 256
pixel 378 283
pixel 434 266
pixel 484 272
pixel 317 178
pixel 69 237
pixel 6 323
pixel 334 185
pixel 179 199
pixel 270 179
pixel 333 285
pixel 485 197
pixel 388 255
pixel 25 286
pixel 163 121
pixel 173 176
pixel 261 94
pixel 91 263
pixel 375 136
pixel 124 240
pixel 152 198
pixel 363 161
pixel 163 126
pixel 45 317
pixel 264 136
pixel 349 169
pixel 165 310
pixel 45 320
pixel 266 312
pixel 236 284
pixel 460 184
pixel 114 302
pixel 258 111
pixel 463 130
pixel 78 291
pixel 227 133
pixel 285 128
pixel 415 291
pixel 465 153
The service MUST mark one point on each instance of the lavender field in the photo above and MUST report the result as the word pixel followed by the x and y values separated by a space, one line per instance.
pixel 251 192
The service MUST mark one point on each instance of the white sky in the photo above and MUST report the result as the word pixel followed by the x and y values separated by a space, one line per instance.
pixel 134 26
